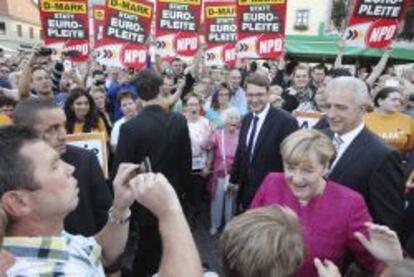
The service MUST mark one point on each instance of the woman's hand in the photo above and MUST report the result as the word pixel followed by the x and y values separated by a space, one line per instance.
pixel 383 243
pixel 326 268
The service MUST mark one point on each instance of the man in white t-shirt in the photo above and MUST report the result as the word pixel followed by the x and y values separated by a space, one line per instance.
pixel 129 109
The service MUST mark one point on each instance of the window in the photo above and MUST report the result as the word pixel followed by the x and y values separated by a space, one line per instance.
pixel 31 33
pixel 19 30
pixel 302 20
pixel 2 28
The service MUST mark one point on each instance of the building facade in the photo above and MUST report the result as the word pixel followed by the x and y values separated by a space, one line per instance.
pixel 308 17
pixel 19 24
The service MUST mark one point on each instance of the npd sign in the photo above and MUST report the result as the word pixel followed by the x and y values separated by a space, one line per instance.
pixel 269 46
pixel 381 33
pixel 186 44
pixel 134 56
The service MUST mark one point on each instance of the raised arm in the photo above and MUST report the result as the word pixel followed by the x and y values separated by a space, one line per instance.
pixel 379 68
pixel 180 256
pixel 341 47
pixel 114 235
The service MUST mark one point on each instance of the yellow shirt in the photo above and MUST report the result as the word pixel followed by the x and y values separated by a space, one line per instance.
pixel 5 120
pixel 396 129
pixel 78 128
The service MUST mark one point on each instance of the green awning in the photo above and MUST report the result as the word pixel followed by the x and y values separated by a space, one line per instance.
pixel 325 48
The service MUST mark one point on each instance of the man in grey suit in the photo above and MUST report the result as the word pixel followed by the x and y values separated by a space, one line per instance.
pixel 363 162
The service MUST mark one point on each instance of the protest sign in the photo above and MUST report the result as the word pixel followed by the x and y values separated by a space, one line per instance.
pixel 98 23
pixel 261 28
pixel 375 23
pixel 126 30
pixel 65 26
pixel 177 27
pixel 220 33
pixel 95 142
pixel 307 120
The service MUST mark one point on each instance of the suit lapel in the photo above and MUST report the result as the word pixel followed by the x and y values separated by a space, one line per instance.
pixel 266 126
pixel 351 153
pixel 245 130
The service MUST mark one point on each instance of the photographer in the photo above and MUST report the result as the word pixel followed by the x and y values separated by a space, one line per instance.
pixel 36 79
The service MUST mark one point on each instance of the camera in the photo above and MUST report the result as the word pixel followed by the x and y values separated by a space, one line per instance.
pixel 71 53
pixel 45 51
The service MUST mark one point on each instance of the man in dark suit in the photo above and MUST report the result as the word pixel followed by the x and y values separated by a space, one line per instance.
pixel 262 131
pixel 364 162
pixel 95 199
pixel 164 138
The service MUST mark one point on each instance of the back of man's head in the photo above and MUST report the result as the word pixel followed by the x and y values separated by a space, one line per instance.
pixel 26 112
pixel 263 242
pixel 16 171
pixel 148 84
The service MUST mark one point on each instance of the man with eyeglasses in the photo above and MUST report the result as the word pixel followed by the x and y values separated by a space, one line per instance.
pixel 261 133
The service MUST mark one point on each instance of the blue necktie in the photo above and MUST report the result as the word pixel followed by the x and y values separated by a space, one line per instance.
pixel 251 138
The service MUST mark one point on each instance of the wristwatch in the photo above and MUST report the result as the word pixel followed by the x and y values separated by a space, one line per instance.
pixel 114 220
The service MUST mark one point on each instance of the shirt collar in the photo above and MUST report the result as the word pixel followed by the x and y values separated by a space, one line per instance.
pixel 263 113
pixel 351 135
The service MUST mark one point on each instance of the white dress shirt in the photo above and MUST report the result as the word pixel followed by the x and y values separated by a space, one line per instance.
pixel 347 139
pixel 262 116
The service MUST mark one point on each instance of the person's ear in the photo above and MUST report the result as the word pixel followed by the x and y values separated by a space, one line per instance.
pixel 16 203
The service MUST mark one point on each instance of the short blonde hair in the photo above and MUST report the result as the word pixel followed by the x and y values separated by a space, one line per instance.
pixel 296 147
pixel 262 242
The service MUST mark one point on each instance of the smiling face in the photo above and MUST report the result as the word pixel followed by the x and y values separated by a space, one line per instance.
pixel 393 103
pixel 232 122
pixel 257 97
pixel 343 113
pixel 99 98
pixel 300 78
pixel 305 178
pixel 81 107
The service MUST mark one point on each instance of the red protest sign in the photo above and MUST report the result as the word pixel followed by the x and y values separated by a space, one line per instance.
pixel 65 25
pixel 220 33
pixel 374 24
pixel 261 28
pixel 177 27
pixel 98 22
pixel 126 30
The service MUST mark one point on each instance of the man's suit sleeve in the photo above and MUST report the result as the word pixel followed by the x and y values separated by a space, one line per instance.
pixel 386 191
pixel 101 195
pixel 186 160
pixel 125 150
pixel 290 125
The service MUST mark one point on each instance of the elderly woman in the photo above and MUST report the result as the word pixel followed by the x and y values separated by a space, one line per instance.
pixel 329 213
pixel 388 122
pixel 221 161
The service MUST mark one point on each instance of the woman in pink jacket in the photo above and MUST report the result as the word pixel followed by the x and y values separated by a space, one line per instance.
pixel 329 213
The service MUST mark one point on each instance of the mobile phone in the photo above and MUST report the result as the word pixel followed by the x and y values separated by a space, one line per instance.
pixel 145 165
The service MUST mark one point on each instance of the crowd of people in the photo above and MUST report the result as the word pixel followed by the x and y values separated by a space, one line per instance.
pixel 286 196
